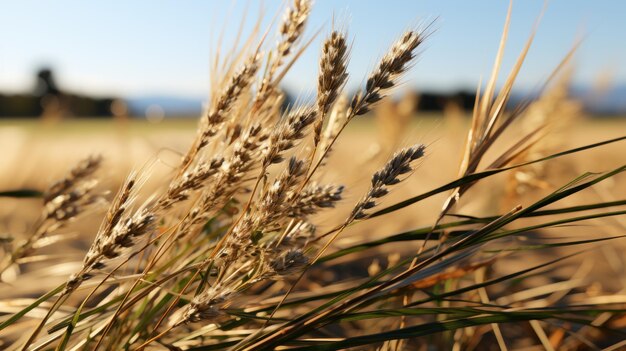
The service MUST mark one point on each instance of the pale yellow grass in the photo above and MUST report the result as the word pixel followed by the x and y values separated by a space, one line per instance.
pixel 35 153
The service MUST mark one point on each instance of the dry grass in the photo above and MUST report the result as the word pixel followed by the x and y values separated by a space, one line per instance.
pixel 255 236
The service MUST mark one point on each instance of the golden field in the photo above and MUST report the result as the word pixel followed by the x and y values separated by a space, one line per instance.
pixel 37 153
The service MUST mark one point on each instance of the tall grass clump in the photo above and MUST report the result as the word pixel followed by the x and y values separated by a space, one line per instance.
pixel 232 253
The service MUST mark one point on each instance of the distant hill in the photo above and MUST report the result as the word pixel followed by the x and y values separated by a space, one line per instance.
pixel 172 106
pixel 611 102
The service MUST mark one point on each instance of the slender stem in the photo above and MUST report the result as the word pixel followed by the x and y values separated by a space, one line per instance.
pixel 310 320
pixel 142 346
pixel 59 301
pixel 317 257
pixel 146 270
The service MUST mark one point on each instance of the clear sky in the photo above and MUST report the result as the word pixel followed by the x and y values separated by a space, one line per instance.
pixel 146 47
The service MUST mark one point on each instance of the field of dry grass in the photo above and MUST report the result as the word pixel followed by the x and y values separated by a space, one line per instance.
pixel 341 223
pixel 38 153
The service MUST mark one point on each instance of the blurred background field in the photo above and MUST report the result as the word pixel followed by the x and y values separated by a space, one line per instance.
pixel 38 152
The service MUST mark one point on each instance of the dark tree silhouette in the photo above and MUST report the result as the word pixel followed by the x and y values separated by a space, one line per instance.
pixel 46 84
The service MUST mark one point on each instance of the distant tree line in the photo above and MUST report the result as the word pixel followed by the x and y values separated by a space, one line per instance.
pixel 48 100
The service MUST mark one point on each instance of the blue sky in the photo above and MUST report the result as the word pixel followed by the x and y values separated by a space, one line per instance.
pixel 142 47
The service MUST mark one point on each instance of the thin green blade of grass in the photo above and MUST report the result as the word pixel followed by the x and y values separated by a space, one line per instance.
pixel 14 318
pixel 423 330
pixel 484 174
pixel 423 233
pixel 22 193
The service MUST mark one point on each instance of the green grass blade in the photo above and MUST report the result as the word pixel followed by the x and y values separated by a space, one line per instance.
pixel 21 193
pixel 32 306
pixel 484 174
pixel 423 330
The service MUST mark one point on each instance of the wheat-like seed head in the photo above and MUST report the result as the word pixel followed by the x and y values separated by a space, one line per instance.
pixel 64 201
pixel 121 237
pixel 392 65
pixel 229 96
pixel 72 202
pixel 333 70
pixel 313 198
pixel 70 196
pixel 287 134
pixel 228 178
pixel 120 205
pixel 191 180
pixel 94 259
pixel 293 25
pixel 399 164
pixel 290 31
pixel 111 245
pixel 205 306
pixel 331 78
pixel 284 264
pixel 83 170
pixel 271 202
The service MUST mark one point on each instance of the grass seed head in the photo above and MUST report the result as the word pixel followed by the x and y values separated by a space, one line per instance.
pixel 83 170
pixel 288 134
pixel 313 198
pixel 399 164
pixel 331 78
pixel 386 75
pixel 292 27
